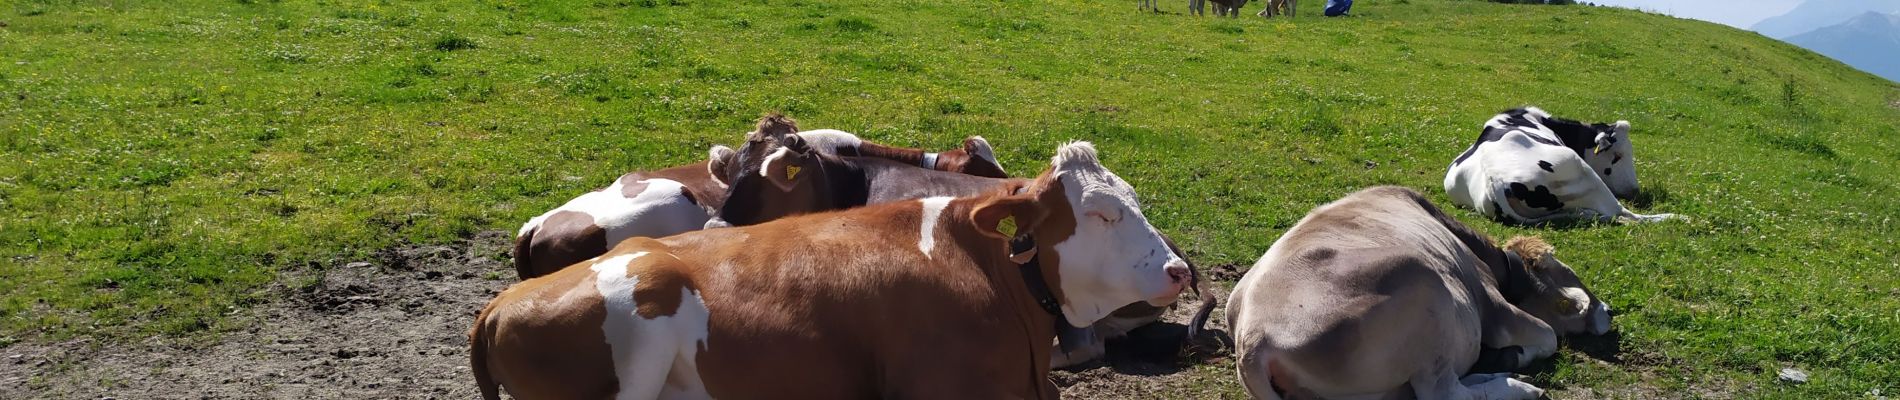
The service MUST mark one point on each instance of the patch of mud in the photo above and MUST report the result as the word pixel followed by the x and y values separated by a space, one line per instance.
pixel 396 326
pixel 1151 364
pixel 392 327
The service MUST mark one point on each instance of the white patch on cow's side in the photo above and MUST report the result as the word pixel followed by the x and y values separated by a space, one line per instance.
pixel 771 160
pixel 660 210
pixel 532 223
pixel 655 357
pixel 829 140
pixel 927 230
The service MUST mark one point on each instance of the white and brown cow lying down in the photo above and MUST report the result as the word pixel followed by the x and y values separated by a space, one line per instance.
pixel 679 199
pixel 914 299
pixel 778 176
pixel 1381 295
pixel 1528 167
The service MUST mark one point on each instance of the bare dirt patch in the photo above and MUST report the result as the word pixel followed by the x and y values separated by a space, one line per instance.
pixel 393 327
pixel 396 327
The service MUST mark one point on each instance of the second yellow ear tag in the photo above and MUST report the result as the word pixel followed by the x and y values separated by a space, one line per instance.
pixel 791 172
pixel 1007 226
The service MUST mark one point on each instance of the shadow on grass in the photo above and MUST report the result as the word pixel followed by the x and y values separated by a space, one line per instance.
pixel 1607 347
pixel 1650 197
pixel 1160 349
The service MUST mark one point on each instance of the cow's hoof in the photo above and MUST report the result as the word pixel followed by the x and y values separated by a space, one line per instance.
pixel 1524 391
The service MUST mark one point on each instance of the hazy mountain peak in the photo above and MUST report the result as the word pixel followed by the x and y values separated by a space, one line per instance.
pixel 1817 14
pixel 1868 41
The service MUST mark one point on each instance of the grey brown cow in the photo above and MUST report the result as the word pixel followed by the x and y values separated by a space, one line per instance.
pixel 1381 295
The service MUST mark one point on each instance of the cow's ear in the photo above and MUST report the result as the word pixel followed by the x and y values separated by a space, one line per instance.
pixel 1007 217
pixel 978 147
pixel 718 158
pixel 775 124
pixel 1622 129
pixel 785 166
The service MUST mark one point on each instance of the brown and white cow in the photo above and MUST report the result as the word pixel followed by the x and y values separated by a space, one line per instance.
pixel 1381 295
pixel 679 199
pixel 914 299
pixel 779 176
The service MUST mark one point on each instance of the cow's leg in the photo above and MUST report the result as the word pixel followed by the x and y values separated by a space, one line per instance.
pixel 1512 327
pixel 1445 384
pixel 1087 351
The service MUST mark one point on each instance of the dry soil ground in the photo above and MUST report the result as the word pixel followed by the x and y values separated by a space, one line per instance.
pixel 395 327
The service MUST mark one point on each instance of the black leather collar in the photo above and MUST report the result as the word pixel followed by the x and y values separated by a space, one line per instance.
pixel 1032 277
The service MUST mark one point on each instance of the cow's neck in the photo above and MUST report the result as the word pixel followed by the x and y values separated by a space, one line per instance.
pixel 1575 135
pixel 1513 277
pixel 903 155
pixel 1012 287
pixel 1501 269
pixel 1033 278
pixel 849 185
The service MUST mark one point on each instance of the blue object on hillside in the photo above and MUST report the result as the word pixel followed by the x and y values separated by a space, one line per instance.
pixel 1336 8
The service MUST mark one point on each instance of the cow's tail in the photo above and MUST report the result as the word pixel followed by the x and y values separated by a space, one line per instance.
pixel 1198 324
pixel 478 343
pixel 524 268
pixel 1644 218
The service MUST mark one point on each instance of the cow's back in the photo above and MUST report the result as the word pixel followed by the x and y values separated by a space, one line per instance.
pixel 802 307
pixel 1358 286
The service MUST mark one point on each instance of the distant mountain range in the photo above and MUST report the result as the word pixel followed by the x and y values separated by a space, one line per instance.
pixel 1817 14
pixel 1870 42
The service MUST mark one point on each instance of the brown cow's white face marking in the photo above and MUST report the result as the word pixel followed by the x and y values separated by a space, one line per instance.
pixel 653 357
pixel 1114 257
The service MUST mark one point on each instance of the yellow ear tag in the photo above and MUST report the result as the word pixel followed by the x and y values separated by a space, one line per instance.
pixel 1007 226
pixel 791 172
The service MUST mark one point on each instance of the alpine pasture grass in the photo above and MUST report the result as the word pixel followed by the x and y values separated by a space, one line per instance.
pixel 161 162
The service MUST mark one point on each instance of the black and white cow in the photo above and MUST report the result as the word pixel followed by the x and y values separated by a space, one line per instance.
pixel 1529 167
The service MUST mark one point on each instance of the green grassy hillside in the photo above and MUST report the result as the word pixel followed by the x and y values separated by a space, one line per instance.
pixel 162 162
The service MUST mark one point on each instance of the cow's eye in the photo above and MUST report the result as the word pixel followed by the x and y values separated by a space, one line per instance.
pixel 1099 215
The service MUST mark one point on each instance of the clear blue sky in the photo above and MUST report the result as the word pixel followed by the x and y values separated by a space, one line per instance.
pixel 1736 13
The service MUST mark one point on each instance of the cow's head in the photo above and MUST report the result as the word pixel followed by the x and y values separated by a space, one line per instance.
pixel 1552 292
pixel 1096 248
pixel 981 159
pixel 773 176
pixel 1613 159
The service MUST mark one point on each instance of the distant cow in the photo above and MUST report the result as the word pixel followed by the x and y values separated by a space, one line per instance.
pixel 1528 167
pixel 809 181
pixel 913 299
pixel 1279 7
pixel 680 199
pixel 1380 295
pixel 1228 8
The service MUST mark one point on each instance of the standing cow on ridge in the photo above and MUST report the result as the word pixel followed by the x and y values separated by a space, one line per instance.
pixel 1528 167
pixel 1224 8
pixel 1279 7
